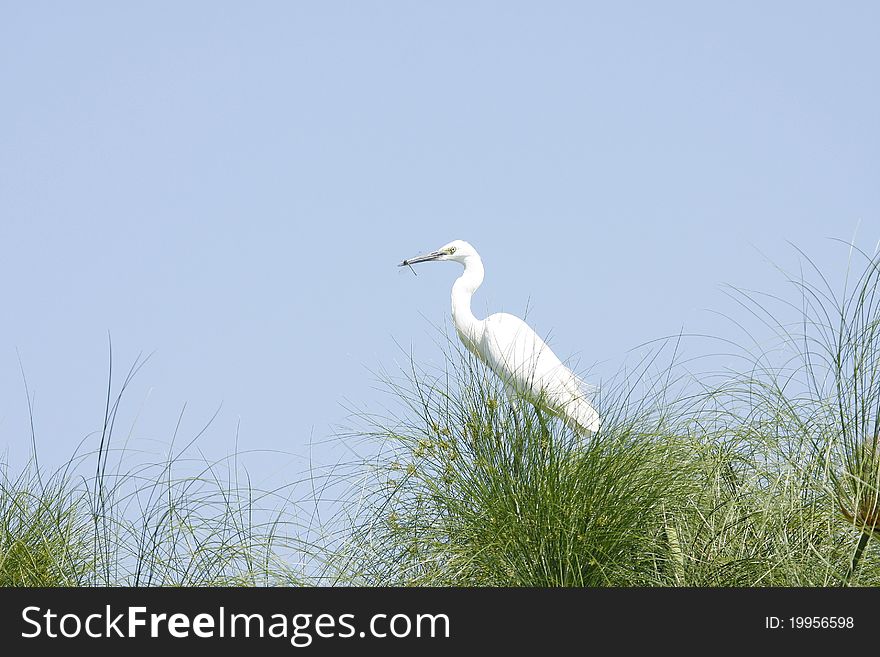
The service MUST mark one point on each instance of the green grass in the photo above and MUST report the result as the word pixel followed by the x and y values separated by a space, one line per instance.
pixel 116 517
pixel 147 526
pixel 767 475
pixel 44 538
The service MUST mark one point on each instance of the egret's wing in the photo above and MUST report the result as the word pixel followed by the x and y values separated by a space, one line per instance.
pixel 518 355
pixel 587 390
pixel 524 361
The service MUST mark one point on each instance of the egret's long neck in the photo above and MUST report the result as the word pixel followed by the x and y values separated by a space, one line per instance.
pixel 463 290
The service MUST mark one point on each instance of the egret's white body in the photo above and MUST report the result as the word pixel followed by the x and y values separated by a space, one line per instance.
pixel 509 346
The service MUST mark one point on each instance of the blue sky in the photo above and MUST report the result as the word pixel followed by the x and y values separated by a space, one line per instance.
pixel 230 185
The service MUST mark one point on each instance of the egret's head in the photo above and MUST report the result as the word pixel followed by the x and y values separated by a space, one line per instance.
pixel 456 251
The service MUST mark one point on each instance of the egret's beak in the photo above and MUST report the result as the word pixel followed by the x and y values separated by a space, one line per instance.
pixel 424 258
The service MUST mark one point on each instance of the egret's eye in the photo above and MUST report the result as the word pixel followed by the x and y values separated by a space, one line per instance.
pixel 451 250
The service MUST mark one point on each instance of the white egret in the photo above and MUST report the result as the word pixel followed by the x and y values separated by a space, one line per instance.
pixel 510 347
